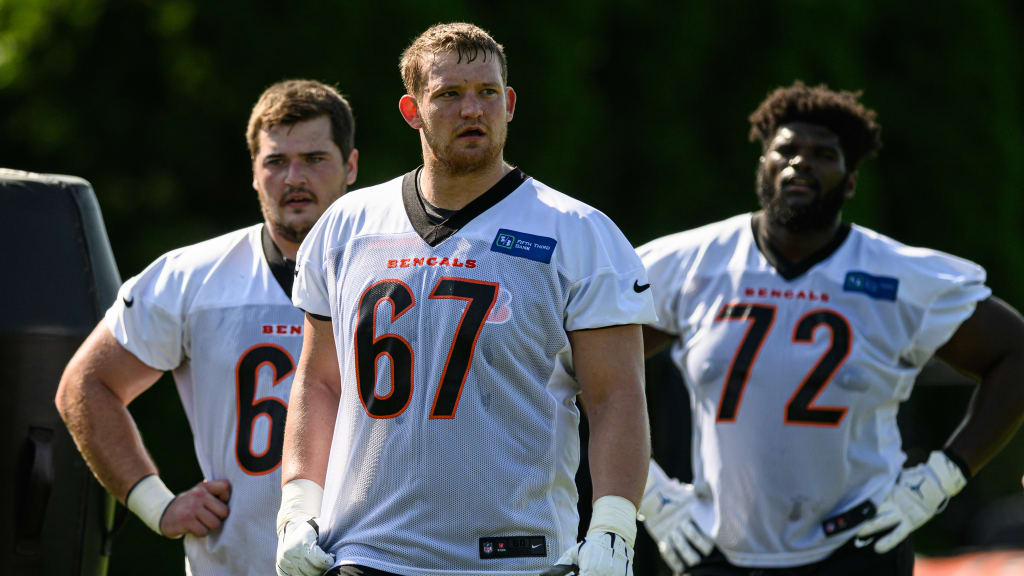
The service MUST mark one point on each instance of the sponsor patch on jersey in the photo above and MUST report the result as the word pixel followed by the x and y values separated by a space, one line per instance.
pixel 877 287
pixel 530 246
pixel 512 547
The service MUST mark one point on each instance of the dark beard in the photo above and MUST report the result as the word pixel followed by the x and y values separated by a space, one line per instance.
pixel 815 216
pixel 291 233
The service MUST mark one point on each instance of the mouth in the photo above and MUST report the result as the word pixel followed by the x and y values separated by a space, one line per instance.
pixel 297 199
pixel 471 133
pixel 802 184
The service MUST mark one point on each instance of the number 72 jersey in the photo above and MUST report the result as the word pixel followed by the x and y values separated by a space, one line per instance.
pixel 796 376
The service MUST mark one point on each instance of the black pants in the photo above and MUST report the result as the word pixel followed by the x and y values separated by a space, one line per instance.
pixel 846 561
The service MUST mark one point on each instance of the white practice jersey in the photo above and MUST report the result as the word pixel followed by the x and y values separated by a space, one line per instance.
pixel 456 440
pixel 214 314
pixel 795 376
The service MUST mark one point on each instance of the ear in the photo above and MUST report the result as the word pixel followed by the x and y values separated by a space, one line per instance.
pixel 352 167
pixel 255 182
pixel 851 185
pixel 510 103
pixel 410 111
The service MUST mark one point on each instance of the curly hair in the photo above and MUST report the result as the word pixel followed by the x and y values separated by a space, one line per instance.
pixel 465 40
pixel 860 134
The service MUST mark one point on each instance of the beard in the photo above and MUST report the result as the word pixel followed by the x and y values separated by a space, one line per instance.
pixel 816 215
pixel 290 227
pixel 295 232
pixel 464 161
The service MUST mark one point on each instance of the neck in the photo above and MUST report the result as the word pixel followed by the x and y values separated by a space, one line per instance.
pixel 454 191
pixel 794 246
pixel 287 248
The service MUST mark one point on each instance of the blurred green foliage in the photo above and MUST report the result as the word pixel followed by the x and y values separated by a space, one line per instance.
pixel 638 108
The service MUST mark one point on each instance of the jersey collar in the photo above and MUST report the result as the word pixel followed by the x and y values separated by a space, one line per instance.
pixel 792 270
pixel 434 234
pixel 281 267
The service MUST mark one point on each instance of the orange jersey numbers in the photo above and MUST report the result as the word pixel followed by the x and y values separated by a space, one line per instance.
pixel 799 409
pixel 479 298
pixel 249 408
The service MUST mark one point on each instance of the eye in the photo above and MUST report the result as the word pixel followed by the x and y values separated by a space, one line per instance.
pixel 448 94
pixel 273 161
pixel 488 91
pixel 314 159
pixel 786 149
pixel 828 153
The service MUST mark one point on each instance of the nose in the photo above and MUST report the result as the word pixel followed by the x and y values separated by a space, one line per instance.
pixel 472 107
pixel 799 162
pixel 296 174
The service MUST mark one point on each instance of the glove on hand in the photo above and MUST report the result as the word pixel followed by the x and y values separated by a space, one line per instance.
pixel 608 548
pixel 298 553
pixel 666 512
pixel 920 493
pixel 600 554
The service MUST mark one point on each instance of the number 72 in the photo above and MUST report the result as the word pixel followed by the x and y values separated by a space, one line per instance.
pixel 799 409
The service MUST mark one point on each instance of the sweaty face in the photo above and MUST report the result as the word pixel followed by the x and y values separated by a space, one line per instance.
pixel 297 173
pixel 802 180
pixel 465 108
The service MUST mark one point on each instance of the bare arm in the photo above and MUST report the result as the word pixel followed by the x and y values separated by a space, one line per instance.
pixel 313 406
pixel 93 396
pixel 94 392
pixel 990 346
pixel 610 369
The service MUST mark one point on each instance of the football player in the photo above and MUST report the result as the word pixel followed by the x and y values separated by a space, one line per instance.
pixel 218 315
pixel 463 306
pixel 799 335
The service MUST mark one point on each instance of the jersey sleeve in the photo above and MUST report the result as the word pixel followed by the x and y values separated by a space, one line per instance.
pixel 148 317
pixel 666 271
pixel 610 286
pixel 310 292
pixel 955 288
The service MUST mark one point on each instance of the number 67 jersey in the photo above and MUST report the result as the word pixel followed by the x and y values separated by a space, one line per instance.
pixel 456 440
pixel 795 376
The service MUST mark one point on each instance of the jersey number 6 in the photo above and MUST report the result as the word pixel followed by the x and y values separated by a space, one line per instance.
pixel 479 297
pixel 249 408
pixel 799 409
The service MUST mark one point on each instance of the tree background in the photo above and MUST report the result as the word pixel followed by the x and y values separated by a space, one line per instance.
pixel 637 108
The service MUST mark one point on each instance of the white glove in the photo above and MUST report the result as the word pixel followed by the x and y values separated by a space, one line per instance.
pixel 607 549
pixel 600 554
pixel 666 512
pixel 920 493
pixel 298 553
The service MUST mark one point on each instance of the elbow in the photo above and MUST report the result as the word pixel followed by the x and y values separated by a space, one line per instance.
pixel 63 397
pixel 69 392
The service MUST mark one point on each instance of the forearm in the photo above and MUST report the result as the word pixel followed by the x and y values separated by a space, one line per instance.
pixel 105 433
pixel 995 413
pixel 312 411
pixel 619 444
